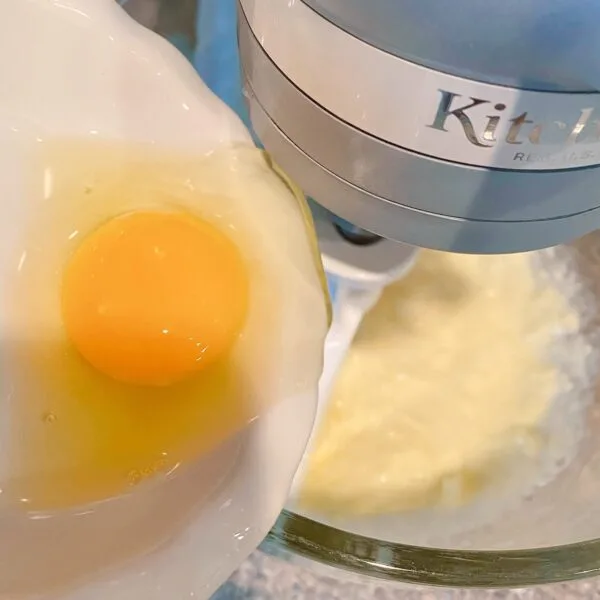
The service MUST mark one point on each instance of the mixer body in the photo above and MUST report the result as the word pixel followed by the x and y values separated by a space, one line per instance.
pixel 472 131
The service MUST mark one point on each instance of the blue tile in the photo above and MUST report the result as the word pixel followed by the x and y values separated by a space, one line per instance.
pixel 231 591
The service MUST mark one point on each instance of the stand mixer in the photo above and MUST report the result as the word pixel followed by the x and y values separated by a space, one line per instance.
pixel 440 129
pixel 475 130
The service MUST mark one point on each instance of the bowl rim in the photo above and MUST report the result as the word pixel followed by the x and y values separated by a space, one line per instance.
pixel 403 563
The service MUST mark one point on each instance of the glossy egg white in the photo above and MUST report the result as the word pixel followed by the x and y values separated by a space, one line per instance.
pixel 83 70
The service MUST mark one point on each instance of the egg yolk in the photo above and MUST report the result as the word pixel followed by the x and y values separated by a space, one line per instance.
pixel 151 298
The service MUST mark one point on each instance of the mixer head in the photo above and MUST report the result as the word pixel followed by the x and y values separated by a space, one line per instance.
pixel 486 141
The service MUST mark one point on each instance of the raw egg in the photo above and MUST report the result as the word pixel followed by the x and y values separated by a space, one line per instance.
pixel 162 307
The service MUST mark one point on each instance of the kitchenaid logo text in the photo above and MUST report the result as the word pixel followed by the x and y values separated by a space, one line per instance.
pixel 486 124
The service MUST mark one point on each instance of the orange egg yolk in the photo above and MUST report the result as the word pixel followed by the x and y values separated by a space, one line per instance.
pixel 151 298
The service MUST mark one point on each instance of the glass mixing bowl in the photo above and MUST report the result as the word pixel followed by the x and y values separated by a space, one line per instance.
pixel 551 535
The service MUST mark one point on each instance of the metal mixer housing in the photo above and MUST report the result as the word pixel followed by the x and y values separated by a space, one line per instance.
pixel 464 142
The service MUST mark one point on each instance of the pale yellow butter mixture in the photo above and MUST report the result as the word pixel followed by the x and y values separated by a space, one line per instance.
pixel 444 387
